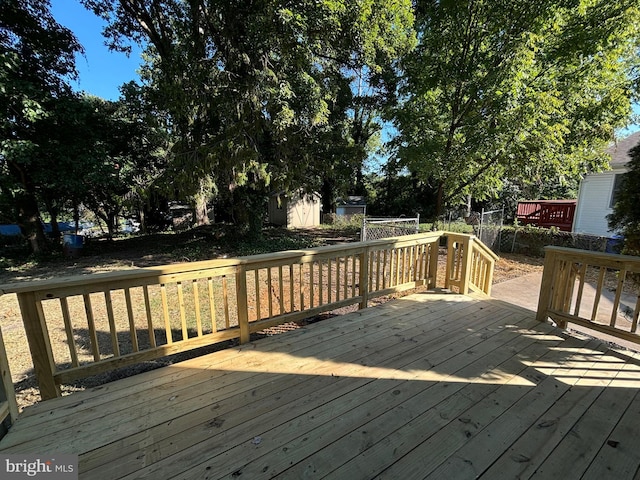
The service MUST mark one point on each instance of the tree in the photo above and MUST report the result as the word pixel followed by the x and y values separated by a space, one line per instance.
pixel 513 89
pixel 625 218
pixel 249 86
pixel 36 55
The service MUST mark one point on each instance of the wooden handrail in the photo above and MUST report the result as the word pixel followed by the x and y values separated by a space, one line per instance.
pixel 114 319
pixel 470 264
pixel 588 289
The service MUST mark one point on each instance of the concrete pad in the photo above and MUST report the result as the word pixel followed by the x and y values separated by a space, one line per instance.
pixel 524 292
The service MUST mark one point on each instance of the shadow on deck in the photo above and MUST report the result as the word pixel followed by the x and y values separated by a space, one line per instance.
pixel 427 386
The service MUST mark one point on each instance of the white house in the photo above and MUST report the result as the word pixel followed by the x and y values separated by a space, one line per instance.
pixel 295 210
pixel 597 193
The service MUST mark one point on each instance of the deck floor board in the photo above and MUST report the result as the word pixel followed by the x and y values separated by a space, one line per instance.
pixel 427 386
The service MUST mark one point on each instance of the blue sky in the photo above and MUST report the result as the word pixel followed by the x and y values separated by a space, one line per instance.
pixel 101 72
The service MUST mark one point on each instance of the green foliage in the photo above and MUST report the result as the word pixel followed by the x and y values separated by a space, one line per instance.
pixel 514 89
pixel 398 194
pixel 625 218
pixel 36 56
pixel 259 93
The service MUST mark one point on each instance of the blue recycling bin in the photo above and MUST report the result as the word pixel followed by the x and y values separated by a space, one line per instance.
pixel 72 245
pixel 614 244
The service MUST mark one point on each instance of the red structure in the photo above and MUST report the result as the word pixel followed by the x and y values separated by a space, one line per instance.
pixel 547 213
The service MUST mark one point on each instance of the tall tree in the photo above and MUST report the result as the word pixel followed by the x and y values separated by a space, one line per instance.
pixel 625 218
pixel 514 89
pixel 248 85
pixel 36 57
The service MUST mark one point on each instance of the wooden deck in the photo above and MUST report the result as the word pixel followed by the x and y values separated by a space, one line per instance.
pixel 428 386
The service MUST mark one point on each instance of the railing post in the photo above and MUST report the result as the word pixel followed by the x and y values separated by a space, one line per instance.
pixel 7 390
pixel 38 337
pixel 242 303
pixel 364 278
pixel 465 272
pixel 450 262
pixel 433 264
pixel 488 281
pixel 546 286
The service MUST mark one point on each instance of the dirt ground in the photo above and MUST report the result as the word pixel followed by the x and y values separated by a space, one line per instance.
pixel 210 242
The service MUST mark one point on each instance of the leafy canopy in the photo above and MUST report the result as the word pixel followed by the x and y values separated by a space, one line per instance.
pixel 514 89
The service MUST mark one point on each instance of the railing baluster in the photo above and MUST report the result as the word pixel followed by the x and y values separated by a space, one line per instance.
pixel 132 324
pixel 147 308
pixel 302 283
pixel 212 305
pixel 337 279
pixel 183 315
pixel 636 314
pixel 270 291
pixel 582 275
pixel 291 290
pixel 329 282
pixel 64 305
pixel 165 313
pixel 225 302
pixel 281 289
pixel 622 275
pixel 596 302
pixel 112 324
pixel 312 282
pixel 93 336
pixel 353 276
pixel 345 280
pixel 241 302
pixel 257 284
pixel 196 307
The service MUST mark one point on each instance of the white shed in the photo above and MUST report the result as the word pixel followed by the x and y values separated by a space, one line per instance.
pixel 295 209
pixel 597 193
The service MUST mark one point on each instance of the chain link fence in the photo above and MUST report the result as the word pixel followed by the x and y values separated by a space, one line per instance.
pixel 375 228
pixel 490 228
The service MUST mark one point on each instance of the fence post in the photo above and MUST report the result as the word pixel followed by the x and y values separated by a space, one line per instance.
pixel 548 274
pixel 7 390
pixel 364 278
pixel 242 303
pixel 38 336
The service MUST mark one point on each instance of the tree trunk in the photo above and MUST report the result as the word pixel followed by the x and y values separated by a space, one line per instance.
pixel 202 216
pixel 440 201
pixel 249 208
pixel 328 196
pixel 55 229
pixel 76 216
pixel 29 222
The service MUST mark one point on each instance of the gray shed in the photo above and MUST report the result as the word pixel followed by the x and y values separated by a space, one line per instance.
pixel 352 205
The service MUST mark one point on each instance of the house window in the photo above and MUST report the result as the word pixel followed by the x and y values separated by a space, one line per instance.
pixel 615 193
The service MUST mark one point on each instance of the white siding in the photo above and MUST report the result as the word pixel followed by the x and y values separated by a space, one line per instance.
pixel 593 204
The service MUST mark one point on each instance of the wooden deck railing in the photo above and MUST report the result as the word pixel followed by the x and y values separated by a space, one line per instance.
pixel 599 291
pixel 114 319
pixel 8 405
pixel 470 264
